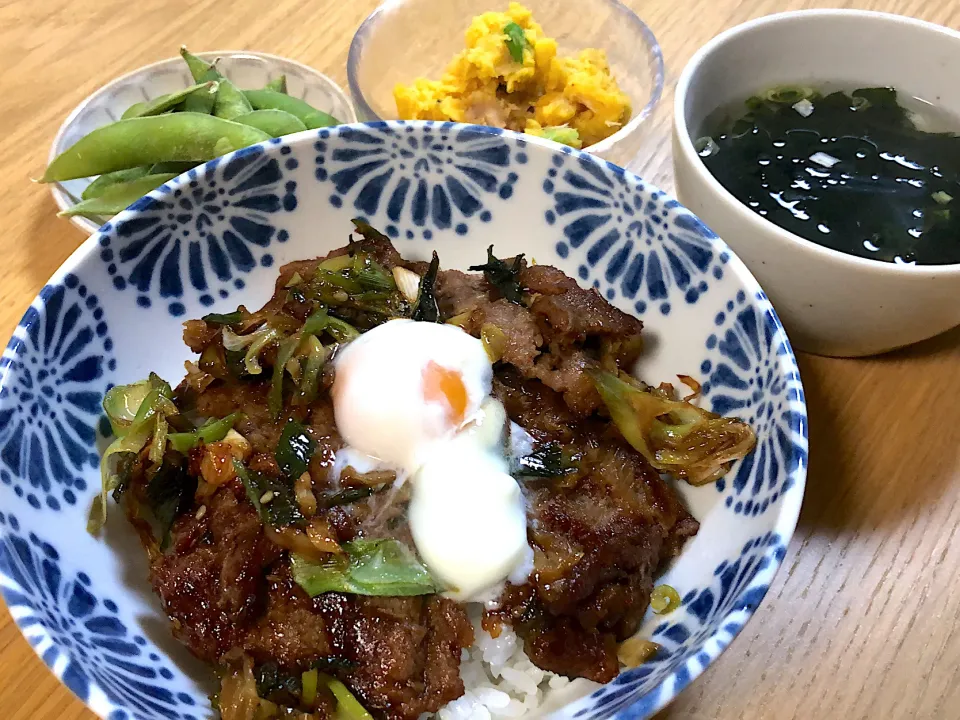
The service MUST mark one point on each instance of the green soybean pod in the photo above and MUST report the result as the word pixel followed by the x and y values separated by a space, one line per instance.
pixel 278 84
pixel 309 115
pixel 203 102
pixel 107 180
pixel 231 102
pixel 118 197
pixel 177 168
pixel 162 104
pixel 144 141
pixel 275 123
pixel 198 67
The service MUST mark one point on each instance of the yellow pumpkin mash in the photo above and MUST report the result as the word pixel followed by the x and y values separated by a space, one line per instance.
pixel 572 99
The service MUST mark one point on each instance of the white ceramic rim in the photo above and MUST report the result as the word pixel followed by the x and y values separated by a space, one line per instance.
pixel 760 224
pixel 63 199
pixel 655 56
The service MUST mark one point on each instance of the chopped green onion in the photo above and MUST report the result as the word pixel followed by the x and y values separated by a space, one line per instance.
pixel 210 432
pixel 275 397
pixel 348 707
pixel 308 681
pixel 122 403
pixel 367 567
pixel 788 94
pixel 664 599
pixel 426 309
pixel 294 450
pixel 282 509
pixel 231 318
pixel 941 197
pixel 706 146
pixel 504 277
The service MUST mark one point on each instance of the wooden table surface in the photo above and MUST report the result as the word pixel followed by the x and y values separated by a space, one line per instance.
pixel 861 621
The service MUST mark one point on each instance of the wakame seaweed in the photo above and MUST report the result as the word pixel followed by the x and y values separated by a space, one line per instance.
pixel 852 172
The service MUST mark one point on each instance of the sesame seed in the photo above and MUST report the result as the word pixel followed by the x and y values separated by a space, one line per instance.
pixel 201 512
pixel 266 497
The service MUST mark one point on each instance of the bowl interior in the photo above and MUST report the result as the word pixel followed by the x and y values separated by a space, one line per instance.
pixel 113 313
pixel 245 69
pixel 407 39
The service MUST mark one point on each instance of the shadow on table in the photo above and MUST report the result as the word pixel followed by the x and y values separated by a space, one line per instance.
pixel 883 440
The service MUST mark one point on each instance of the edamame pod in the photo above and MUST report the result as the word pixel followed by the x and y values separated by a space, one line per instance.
pixel 171 167
pixel 203 102
pixel 96 188
pixel 162 104
pixel 275 123
pixel 118 197
pixel 278 84
pixel 231 102
pixel 198 66
pixel 309 115
pixel 144 141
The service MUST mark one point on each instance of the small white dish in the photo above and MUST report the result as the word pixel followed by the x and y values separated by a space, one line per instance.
pixel 831 303
pixel 245 69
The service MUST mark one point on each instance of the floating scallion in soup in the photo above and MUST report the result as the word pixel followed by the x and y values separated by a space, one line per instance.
pixel 859 172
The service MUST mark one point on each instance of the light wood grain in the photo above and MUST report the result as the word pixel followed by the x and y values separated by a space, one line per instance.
pixel 862 620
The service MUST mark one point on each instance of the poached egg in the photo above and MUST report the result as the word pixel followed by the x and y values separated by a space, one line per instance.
pixel 415 397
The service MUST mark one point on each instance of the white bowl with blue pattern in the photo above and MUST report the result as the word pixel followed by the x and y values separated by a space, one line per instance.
pixel 215 237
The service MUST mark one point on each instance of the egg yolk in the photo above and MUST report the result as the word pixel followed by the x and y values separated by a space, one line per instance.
pixel 445 386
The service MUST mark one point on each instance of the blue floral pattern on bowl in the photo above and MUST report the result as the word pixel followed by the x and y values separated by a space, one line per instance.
pixel 213 238
pixel 430 176
pixel 78 633
pixel 57 363
pixel 202 238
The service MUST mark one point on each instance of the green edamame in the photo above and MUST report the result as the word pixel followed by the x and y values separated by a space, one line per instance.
pixel 118 197
pixel 275 123
pixel 203 102
pixel 108 180
pixel 176 168
pixel 162 104
pixel 309 115
pixel 278 84
pixel 147 140
pixel 198 67
pixel 230 101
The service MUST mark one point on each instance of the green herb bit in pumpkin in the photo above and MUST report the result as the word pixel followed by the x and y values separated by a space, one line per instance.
pixel 516 41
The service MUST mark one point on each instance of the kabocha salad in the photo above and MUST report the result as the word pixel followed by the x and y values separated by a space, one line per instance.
pixel 156 140
pixel 361 488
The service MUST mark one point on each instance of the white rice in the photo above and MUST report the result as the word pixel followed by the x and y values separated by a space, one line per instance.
pixel 501 682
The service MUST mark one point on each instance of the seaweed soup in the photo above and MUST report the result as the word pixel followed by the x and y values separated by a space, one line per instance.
pixel 868 172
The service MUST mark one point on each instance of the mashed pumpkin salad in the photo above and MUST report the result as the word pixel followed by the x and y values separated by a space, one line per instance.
pixel 510 76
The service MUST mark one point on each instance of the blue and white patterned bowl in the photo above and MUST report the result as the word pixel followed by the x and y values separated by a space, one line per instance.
pixel 215 237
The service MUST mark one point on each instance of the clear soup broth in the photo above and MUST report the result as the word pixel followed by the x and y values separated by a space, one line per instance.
pixel 868 172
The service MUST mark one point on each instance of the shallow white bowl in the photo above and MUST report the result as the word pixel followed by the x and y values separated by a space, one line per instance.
pixel 245 69
pixel 831 303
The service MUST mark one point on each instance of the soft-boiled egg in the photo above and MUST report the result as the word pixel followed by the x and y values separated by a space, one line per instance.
pixel 415 396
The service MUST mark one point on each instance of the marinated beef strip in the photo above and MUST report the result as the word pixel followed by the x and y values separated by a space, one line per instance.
pixel 599 534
